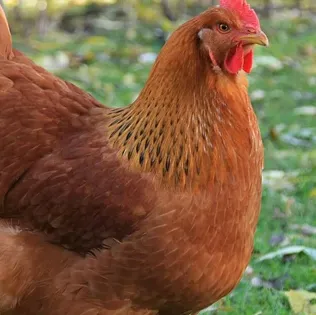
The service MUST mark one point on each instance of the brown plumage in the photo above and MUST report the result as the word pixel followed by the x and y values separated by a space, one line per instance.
pixel 169 186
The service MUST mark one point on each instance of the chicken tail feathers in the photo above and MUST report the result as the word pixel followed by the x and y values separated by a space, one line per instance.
pixel 5 37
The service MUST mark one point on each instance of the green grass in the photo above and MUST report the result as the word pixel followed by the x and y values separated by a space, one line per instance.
pixel 108 67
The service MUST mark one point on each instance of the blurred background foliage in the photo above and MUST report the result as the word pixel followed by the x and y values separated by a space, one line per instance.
pixel 107 47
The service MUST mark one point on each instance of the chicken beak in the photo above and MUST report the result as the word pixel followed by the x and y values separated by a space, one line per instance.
pixel 259 38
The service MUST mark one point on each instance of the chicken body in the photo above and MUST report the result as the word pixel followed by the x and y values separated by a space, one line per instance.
pixel 170 186
pixel 62 176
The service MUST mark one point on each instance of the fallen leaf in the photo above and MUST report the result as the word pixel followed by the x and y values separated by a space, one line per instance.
pixel 301 137
pixel 54 63
pixel 275 283
pixel 257 282
pixel 278 239
pixel 290 250
pixel 312 80
pixel 258 95
pixel 306 111
pixel 302 301
pixel 147 58
pixel 209 309
pixel 305 229
pixel 249 271
pixel 278 214
pixel 279 180
pixel 312 193
pixel 299 95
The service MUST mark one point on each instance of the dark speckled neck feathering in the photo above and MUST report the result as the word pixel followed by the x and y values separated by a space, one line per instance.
pixel 169 130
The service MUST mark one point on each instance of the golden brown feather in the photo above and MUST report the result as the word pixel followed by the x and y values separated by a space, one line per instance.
pixel 170 186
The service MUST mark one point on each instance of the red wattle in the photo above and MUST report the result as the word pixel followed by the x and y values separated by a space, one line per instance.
pixel 234 62
pixel 248 61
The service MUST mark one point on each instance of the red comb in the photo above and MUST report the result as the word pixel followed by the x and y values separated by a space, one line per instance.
pixel 247 14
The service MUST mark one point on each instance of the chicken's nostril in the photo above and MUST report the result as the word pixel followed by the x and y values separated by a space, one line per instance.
pixel 251 31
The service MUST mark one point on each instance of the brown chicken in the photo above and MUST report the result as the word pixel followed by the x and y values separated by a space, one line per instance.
pixel 169 187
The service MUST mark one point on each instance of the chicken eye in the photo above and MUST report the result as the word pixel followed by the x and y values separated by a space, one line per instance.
pixel 223 27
